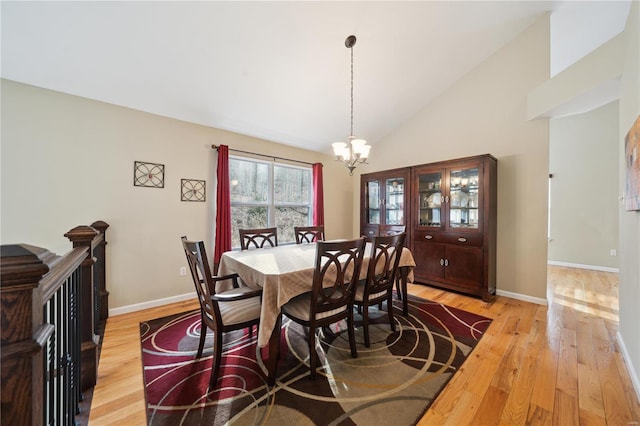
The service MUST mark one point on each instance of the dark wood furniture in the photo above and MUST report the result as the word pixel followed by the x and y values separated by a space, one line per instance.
pixel 52 309
pixel 382 272
pixel 283 273
pixel 257 238
pixel 308 234
pixel 384 201
pixel 338 263
pixel 220 312
pixel 392 230
pixel 452 223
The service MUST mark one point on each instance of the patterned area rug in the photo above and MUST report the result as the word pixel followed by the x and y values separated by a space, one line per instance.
pixel 393 382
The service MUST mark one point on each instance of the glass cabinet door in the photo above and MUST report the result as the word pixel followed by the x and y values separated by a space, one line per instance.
pixel 431 199
pixel 373 202
pixel 463 198
pixel 394 201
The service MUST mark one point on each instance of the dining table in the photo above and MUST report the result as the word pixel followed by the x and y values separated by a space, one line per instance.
pixel 284 272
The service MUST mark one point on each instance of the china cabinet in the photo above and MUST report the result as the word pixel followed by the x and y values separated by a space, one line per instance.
pixel 384 199
pixel 449 209
pixel 454 228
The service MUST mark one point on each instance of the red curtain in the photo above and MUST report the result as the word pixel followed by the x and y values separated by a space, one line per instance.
pixel 318 196
pixel 223 207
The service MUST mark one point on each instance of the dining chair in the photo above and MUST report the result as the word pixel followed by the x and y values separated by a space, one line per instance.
pixel 392 230
pixel 381 274
pixel 308 234
pixel 258 238
pixel 222 311
pixel 336 274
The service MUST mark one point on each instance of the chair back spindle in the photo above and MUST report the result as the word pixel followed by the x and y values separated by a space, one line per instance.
pixel 309 234
pixel 336 274
pixel 258 238
pixel 383 263
pixel 205 289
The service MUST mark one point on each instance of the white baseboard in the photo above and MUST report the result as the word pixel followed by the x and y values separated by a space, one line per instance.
pixel 151 304
pixel 633 373
pixel 581 266
pixel 161 302
pixel 523 297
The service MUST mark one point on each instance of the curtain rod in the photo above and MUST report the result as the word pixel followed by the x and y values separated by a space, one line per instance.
pixel 264 155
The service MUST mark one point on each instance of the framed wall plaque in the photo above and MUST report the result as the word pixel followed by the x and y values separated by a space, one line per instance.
pixel 193 190
pixel 146 174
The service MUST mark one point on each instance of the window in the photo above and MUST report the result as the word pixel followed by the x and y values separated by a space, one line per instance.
pixel 265 194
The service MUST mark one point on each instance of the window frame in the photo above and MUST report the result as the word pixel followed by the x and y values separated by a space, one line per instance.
pixel 270 203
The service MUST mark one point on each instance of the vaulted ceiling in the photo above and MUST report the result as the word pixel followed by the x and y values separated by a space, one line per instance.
pixel 274 70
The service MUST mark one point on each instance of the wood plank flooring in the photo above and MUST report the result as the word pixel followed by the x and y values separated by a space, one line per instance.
pixel 556 365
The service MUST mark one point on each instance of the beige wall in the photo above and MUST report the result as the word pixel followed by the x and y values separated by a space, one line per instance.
pixel 630 221
pixel 485 112
pixel 618 58
pixel 583 86
pixel 68 161
pixel 583 158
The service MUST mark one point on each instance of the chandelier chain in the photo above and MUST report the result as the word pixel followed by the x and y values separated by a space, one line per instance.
pixel 351 133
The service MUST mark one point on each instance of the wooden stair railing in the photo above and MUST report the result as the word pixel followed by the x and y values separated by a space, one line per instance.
pixel 50 307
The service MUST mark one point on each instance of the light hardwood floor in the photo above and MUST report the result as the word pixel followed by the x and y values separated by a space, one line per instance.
pixel 555 365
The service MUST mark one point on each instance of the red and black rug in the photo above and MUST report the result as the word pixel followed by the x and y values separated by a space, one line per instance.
pixel 393 382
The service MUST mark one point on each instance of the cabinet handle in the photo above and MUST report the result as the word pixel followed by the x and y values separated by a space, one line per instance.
pixel 446 199
pixel 441 262
pixel 446 262
pixel 462 239
pixel 428 237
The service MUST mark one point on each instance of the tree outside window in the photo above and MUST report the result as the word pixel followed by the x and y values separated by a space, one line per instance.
pixel 266 194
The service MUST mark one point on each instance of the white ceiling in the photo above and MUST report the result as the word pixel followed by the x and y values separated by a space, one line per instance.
pixel 273 70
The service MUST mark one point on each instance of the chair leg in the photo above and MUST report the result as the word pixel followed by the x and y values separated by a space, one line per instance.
pixel 365 325
pixel 203 336
pixel 392 323
pixel 352 333
pixel 217 358
pixel 312 352
pixel 398 291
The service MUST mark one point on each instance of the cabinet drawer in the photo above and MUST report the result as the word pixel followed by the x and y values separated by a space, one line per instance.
pixel 461 239
pixel 456 238
pixel 370 231
pixel 428 236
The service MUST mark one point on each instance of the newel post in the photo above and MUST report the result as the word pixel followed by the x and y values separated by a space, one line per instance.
pixel 82 236
pixel 23 333
pixel 100 275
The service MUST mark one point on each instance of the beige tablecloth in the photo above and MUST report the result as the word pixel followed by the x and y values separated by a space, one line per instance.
pixel 283 272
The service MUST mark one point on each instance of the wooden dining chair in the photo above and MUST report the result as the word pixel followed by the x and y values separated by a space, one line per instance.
pixel 394 230
pixel 336 274
pixel 308 234
pixel 221 312
pixel 381 274
pixel 257 238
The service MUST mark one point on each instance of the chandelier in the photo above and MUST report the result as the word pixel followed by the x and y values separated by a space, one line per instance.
pixel 356 151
